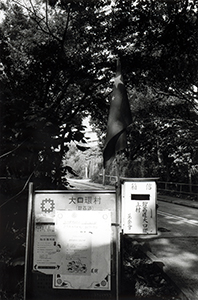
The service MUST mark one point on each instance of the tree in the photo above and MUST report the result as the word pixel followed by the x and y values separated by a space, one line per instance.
pixel 58 59
pixel 158 46
pixel 49 87
pixel 163 135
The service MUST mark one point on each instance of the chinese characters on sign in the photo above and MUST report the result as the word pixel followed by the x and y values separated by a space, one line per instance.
pixel 129 221
pixel 139 207
pixel 85 203
pixel 143 211
pixel 145 217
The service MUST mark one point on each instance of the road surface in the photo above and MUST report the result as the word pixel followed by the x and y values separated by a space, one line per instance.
pixel 176 243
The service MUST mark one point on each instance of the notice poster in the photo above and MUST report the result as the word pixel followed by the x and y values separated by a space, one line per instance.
pixel 84 258
pixel 45 248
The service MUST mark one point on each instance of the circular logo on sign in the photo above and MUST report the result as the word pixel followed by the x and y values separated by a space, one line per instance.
pixel 47 205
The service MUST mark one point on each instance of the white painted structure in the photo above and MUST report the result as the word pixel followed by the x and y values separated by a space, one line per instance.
pixel 139 207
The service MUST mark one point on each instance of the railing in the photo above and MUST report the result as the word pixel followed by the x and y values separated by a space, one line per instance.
pixel 178 187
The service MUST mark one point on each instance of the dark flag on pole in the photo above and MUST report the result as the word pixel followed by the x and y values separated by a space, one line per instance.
pixel 119 118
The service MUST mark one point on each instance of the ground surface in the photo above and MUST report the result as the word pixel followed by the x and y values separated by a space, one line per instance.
pixel 143 278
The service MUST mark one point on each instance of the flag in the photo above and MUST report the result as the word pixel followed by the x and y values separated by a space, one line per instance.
pixel 119 118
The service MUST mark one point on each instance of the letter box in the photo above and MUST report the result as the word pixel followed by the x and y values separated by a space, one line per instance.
pixel 139 207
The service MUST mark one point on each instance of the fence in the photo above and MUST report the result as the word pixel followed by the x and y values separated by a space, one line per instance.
pixel 178 187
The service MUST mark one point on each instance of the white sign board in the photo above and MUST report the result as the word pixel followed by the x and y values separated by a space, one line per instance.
pixel 139 207
pixel 72 239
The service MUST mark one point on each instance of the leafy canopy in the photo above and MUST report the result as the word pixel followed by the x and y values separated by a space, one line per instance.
pixel 58 58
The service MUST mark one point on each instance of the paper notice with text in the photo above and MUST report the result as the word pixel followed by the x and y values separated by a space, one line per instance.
pixel 85 257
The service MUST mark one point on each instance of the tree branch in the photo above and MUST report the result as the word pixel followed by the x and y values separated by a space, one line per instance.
pixel 66 28
pixel 38 20
pixel 24 187
pixel 178 94
pixel 11 151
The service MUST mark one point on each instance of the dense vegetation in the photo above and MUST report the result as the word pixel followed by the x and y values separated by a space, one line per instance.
pixel 57 62
pixel 56 67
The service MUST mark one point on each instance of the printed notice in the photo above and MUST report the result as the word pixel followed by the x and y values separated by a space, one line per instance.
pixel 45 248
pixel 84 258
pixel 75 255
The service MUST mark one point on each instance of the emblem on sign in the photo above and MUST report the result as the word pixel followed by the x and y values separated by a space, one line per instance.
pixel 47 205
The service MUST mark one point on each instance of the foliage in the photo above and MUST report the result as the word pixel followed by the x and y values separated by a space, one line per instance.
pixel 46 88
pixel 164 135
pixel 57 59
pixel 142 277
pixel 157 44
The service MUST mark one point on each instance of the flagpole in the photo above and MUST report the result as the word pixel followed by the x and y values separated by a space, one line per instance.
pixel 103 177
pixel 118 215
pixel 118 120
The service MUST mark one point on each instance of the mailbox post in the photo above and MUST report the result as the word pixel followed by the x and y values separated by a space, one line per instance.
pixel 139 206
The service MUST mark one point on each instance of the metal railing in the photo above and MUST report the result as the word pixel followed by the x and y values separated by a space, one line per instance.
pixel 178 187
